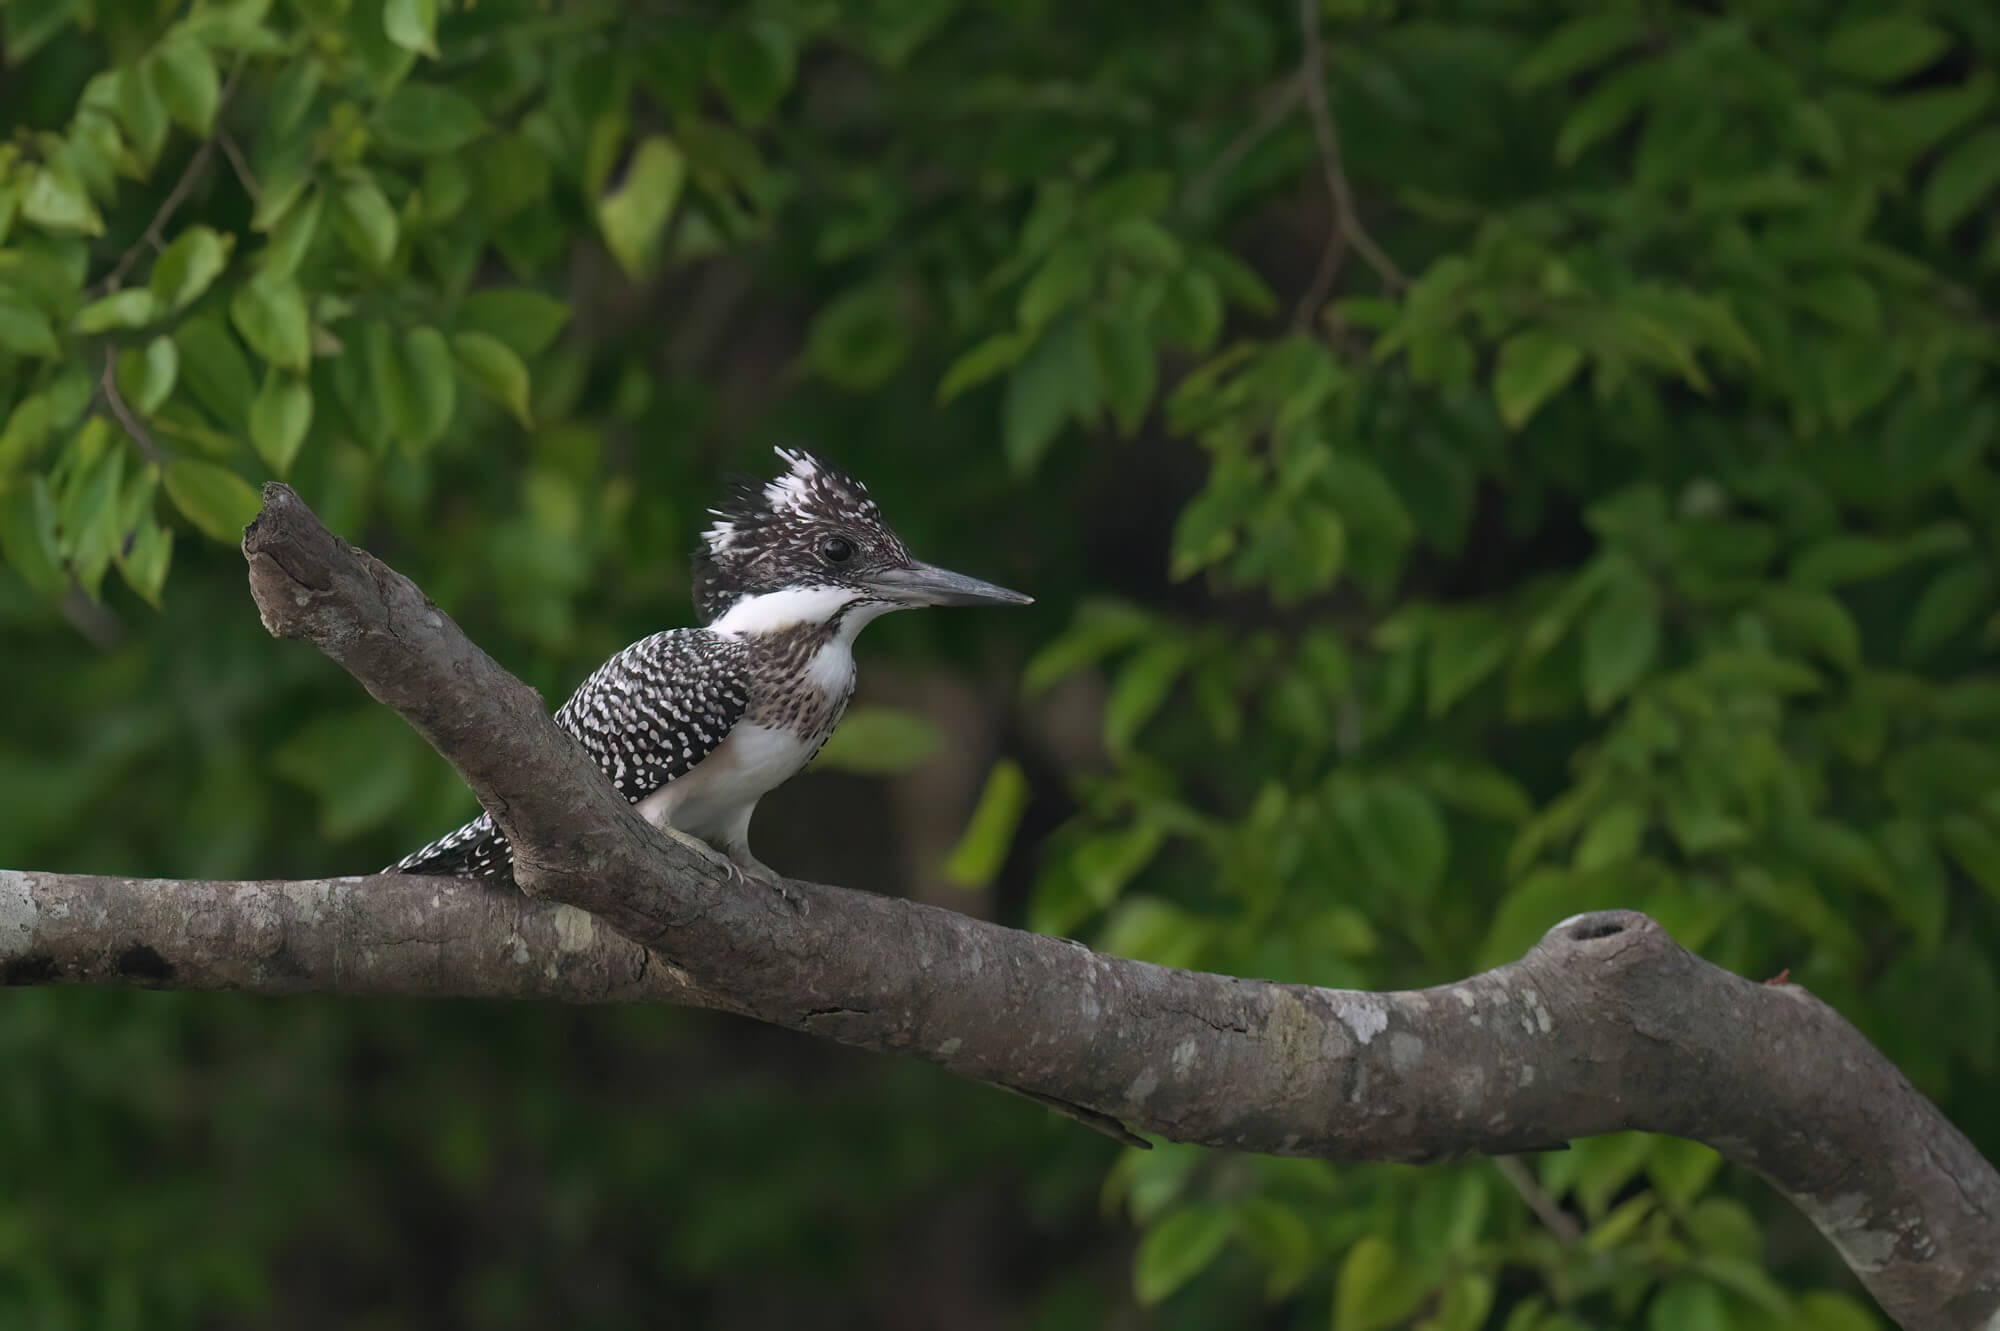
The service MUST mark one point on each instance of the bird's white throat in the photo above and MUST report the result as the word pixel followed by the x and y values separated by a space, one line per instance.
pixel 789 607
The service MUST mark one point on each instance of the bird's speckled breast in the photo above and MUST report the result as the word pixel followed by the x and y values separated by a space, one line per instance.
pixel 801 679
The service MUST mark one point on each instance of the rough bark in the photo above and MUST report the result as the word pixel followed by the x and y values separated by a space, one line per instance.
pixel 383 935
pixel 1606 1025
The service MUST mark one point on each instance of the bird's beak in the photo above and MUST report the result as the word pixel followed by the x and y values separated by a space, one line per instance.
pixel 926 584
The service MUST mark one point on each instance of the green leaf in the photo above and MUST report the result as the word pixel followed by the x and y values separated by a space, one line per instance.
pixel 881 741
pixel 1601 1167
pixel 27 430
pixel 1680 1169
pixel 1580 45
pixel 87 507
pixel 426 120
pixel 25 330
pixel 1468 1298
pixel 1057 286
pixel 999 352
pixel 981 851
pixel 1845 300
pixel 389 394
pixel 1478 788
pixel 291 240
pixel 861 338
pixel 432 386
pixel 368 223
pixel 1947 607
pixel 145 378
pixel 1465 648
pixel 1611 1232
pixel 133 307
pixel 1127 369
pixel 1819 1310
pixel 1241 283
pixel 1190 311
pixel 190 89
pixel 1816 620
pixel 1620 639
pixel 634 216
pixel 215 370
pixel 1843 559
pixel 1104 864
pixel 1886 49
pixel 272 318
pixel 1533 366
pixel 752 65
pixel 1101 628
pixel 1718 1224
pixel 359 768
pixel 496 371
pixel 28 536
pixel 1055 382
pixel 412 25
pixel 1280 1238
pixel 1688 1305
pixel 1975 848
pixel 1606 110
pixel 1141 688
pixel 279 419
pixel 1178 1248
pixel 1375 1290
pixel 1969 173
pixel 187 268
pixel 525 320
pixel 144 559
pixel 57 201
pixel 213 498
pixel 1612 838
pixel 1399 835
pixel 31 23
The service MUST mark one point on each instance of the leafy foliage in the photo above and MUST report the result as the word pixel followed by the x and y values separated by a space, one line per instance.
pixel 1625 538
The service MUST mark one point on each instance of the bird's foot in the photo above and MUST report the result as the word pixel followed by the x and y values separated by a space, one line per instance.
pixel 703 849
pixel 738 863
pixel 744 866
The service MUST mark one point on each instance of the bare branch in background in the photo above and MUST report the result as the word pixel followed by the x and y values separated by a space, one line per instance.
pixel 154 236
pixel 1348 229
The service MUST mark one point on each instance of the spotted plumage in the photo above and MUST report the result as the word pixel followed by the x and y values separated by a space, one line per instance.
pixel 696 725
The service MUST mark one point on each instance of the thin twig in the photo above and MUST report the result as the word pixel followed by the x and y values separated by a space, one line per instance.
pixel 122 413
pixel 1347 220
pixel 155 233
pixel 1330 255
pixel 1554 1217
pixel 1277 107
pixel 238 164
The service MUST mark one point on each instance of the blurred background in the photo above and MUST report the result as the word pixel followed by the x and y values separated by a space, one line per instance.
pixel 1476 461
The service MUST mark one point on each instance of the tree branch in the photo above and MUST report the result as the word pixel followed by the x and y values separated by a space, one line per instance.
pixel 154 235
pixel 383 935
pixel 1348 229
pixel 1606 1025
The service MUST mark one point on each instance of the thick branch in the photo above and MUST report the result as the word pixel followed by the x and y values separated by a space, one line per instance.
pixel 383 935
pixel 1606 1025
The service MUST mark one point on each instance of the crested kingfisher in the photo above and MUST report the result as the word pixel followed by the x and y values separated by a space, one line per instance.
pixel 696 725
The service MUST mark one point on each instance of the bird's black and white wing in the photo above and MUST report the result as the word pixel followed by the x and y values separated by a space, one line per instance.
pixel 647 716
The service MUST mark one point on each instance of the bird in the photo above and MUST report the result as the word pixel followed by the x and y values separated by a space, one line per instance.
pixel 695 725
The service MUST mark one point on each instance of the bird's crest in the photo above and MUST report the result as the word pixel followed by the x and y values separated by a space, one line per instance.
pixel 772 535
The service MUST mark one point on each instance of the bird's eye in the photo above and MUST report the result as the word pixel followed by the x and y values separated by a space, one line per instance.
pixel 837 549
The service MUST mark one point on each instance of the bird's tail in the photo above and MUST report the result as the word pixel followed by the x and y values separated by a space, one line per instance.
pixel 476 850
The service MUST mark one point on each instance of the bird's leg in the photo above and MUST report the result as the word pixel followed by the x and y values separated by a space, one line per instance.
pixel 749 866
pixel 702 848
pixel 736 861
pixel 746 866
